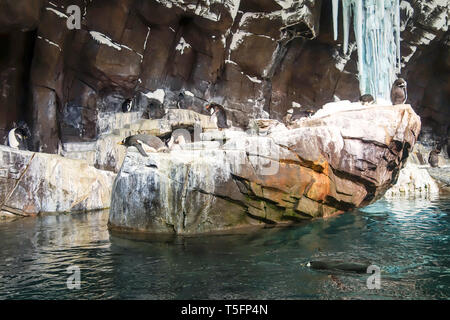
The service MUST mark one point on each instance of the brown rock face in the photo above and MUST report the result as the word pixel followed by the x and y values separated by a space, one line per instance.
pixel 323 166
pixel 19 14
pixel 256 58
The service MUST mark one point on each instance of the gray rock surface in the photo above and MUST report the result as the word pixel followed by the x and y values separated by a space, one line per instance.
pixel 33 183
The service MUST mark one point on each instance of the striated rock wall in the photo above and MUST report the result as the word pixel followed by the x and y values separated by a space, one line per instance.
pixel 257 58
pixel 322 166
pixel 33 183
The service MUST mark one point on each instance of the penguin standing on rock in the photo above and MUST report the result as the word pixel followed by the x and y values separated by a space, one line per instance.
pixel 127 105
pixel 155 143
pixel 218 112
pixel 366 99
pixel 17 137
pixel 399 92
pixel 433 158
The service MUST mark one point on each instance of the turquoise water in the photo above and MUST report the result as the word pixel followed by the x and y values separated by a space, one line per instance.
pixel 407 239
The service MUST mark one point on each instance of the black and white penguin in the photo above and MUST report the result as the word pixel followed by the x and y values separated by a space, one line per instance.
pixel 302 114
pixel 179 137
pixel 181 103
pixel 366 99
pixel 399 93
pixel 218 114
pixel 18 136
pixel 127 105
pixel 177 143
pixel 155 143
pixel 433 158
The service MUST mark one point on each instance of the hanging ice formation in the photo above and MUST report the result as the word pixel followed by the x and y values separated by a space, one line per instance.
pixel 377 31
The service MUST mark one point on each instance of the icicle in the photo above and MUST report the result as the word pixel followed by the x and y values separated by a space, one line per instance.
pixel 377 32
pixel 346 21
pixel 335 18
pixel 358 25
pixel 397 33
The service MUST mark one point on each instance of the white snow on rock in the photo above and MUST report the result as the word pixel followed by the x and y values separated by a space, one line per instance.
pixel 296 104
pixel 146 38
pixel 158 94
pixel 237 39
pixel 58 13
pixel 285 4
pixel 188 93
pixel 254 79
pixel 182 45
pixel 50 42
pixel 101 38
pixel 333 107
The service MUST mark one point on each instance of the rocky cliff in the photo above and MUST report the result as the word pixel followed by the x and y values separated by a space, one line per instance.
pixel 257 58
pixel 33 183
pixel 344 157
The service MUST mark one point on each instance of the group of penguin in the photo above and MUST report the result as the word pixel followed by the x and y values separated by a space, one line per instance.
pixel 399 94
pixel 18 136
pixel 218 115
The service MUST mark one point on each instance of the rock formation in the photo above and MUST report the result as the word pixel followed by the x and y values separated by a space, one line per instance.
pixel 33 183
pixel 322 166
pixel 257 58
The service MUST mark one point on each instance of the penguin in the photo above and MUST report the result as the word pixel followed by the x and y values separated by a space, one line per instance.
pixel 288 117
pixel 302 114
pixel 348 266
pixel 155 143
pixel 433 159
pixel 17 137
pixel 176 145
pixel 179 136
pixel 366 99
pixel 399 92
pixel 218 112
pixel 180 102
pixel 127 105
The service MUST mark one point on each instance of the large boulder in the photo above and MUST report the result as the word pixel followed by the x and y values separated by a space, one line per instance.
pixel 323 166
pixel 33 183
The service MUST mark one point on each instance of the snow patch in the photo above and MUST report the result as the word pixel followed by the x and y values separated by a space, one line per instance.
pixel 333 107
pixel 237 39
pixel 58 13
pixel 146 38
pixel 158 94
pixel 50 42
pixel 102 39
pixel 182 45
pixel 254 79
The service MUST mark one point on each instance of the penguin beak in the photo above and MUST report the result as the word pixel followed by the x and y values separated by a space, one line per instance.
pixel 120 143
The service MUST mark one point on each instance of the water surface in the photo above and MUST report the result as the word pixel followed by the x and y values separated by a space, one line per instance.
pixel 407 239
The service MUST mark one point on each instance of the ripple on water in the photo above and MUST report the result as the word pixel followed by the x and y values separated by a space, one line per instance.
pixel 407 238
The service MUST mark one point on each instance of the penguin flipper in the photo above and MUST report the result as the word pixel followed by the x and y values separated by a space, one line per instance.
pixel 141 150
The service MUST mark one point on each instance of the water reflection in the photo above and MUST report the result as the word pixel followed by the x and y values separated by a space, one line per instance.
pixel 408 239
